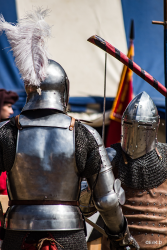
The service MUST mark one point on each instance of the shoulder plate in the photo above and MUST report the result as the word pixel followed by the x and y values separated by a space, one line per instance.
pixel 95 134
pixel 3 123
pixel 102 151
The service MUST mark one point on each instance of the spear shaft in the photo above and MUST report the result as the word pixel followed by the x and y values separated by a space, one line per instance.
pixel 104 45
pixel 104 102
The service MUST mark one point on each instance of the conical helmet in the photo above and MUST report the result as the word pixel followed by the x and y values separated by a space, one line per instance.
pixel 139 126
pixel 53 92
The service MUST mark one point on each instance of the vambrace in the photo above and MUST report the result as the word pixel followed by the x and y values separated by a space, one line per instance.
pixel 106 199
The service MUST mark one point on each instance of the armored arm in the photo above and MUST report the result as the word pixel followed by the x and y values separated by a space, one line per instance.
pixel 108 195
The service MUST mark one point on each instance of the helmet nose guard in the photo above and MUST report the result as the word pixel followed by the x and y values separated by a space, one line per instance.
pixel 53 92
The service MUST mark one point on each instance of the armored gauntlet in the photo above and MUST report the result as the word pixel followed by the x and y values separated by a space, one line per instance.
pixel 123 240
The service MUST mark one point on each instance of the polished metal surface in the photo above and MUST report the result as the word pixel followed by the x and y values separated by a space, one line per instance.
pixel 44 169
pixel 44 218
pixel 3 123
pixel 44 165
pixel 139 126
pixel 119 191
pixel 106 200
pixel 38 119
pixel 102 151
pixel 53 92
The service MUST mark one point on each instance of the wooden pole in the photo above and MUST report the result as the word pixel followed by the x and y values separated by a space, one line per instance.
pixel 164 23
pixel 165 59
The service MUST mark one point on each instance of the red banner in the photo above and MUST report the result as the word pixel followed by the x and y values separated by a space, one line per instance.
pixel 123 97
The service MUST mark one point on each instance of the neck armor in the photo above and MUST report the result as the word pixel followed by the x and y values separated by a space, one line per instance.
pixel 139 126
pixel 53 92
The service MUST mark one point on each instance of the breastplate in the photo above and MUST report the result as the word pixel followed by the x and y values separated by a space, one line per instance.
pixel 44 169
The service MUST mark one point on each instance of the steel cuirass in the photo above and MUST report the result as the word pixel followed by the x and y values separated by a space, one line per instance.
pixel 44 169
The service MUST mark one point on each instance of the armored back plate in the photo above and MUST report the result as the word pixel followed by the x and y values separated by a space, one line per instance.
pixel 45 166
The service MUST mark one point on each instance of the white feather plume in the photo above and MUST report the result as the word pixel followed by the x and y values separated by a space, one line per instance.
pixel 27 39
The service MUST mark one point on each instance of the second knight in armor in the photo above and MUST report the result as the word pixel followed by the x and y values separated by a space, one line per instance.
pixel 140 163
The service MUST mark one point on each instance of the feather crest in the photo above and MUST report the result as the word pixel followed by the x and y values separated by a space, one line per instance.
pixel 27 39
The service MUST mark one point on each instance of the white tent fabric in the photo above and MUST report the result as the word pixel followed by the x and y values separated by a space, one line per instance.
pixel 73 22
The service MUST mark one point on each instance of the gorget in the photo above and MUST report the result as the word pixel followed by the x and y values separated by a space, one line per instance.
pixel 146 172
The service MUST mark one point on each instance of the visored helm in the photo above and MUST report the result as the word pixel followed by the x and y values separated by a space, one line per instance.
pixel 139 126
pixel 53 92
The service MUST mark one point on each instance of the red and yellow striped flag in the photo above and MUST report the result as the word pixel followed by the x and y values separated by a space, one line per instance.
pixel 122 99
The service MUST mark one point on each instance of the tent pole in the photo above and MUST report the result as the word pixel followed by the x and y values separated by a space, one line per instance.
pixel 165 55
pixel 165 59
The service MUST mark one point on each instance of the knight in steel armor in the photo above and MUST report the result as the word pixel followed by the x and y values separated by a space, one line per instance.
pixel 53 153
pixel 139 161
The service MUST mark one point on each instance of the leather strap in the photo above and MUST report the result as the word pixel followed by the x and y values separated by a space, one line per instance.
pixel 160 157
pixel 124 157
pixel 42 202
pixel 18 125
pixel 71 127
